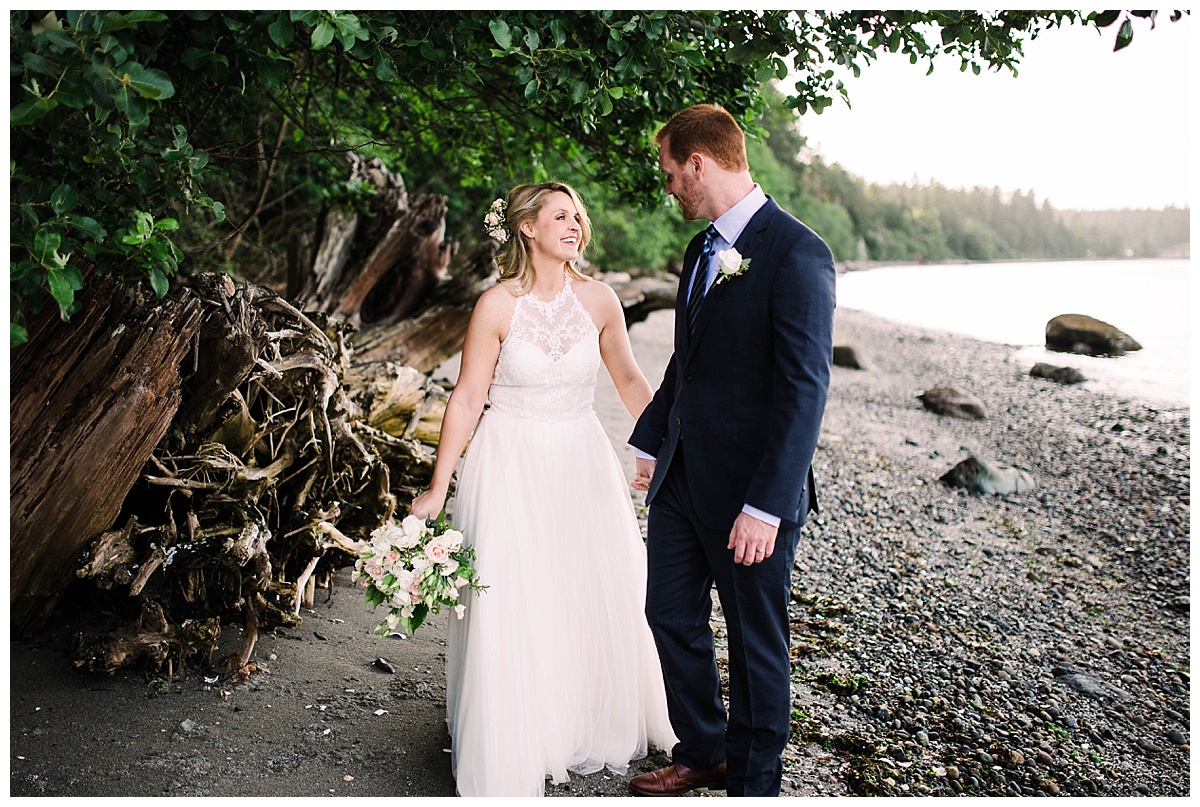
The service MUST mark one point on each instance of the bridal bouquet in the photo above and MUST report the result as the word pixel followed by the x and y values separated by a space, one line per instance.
pixel 414 568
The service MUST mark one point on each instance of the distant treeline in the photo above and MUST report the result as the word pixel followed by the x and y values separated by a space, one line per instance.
pixel 932 222
pixel 1133 233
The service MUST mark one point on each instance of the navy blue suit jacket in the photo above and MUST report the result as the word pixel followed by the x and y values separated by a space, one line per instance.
pixel 742 398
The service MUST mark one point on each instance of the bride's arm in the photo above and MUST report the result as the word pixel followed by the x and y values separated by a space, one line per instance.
pixel 617 353
pixel 481 349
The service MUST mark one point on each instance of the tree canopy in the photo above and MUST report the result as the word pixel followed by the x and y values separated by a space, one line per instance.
pixel 144 143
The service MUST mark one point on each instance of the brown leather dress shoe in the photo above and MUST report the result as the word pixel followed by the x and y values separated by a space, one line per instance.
pixel 676 779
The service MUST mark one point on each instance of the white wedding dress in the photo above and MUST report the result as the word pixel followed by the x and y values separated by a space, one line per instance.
pixel 553 668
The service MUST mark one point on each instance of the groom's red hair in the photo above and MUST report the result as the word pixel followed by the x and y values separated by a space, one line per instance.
pixel 707 129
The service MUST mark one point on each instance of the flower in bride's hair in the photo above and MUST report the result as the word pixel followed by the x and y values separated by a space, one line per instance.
pixel 495 221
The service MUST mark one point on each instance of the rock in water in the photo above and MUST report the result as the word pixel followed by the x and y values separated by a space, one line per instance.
pixel 1079 333
pixel 847 356
pixel 946 400
pixel 981 476
pixel 1063 375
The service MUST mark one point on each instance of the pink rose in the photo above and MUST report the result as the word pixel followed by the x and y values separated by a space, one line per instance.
pixel 438 550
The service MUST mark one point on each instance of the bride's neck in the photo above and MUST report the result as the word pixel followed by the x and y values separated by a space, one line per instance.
pixel 548 278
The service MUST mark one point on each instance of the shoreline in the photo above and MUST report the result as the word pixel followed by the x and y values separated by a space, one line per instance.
pixel 943 642
pixel 1012 302
pixel 843 267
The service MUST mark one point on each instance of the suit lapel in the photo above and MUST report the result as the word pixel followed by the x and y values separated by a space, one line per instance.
pixel 746 244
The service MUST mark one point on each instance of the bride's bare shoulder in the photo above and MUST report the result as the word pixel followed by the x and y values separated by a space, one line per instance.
pixel 600 299
pixel 496 303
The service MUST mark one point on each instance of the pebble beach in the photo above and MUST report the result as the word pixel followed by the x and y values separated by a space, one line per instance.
pixel 944 642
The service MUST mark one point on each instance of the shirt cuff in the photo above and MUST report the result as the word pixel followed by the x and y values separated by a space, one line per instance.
pixel 754 512
pixel 642 455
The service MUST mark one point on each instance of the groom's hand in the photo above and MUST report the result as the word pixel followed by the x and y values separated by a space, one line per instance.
pixel 643 473
pixel 751 540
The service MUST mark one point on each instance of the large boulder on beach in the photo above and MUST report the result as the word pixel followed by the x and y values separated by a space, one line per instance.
pixel 1063 375
pixel 947 400
pixel 980 476
pixel 1079 333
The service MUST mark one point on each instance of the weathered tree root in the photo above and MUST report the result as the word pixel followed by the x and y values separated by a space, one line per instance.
pixel 253 499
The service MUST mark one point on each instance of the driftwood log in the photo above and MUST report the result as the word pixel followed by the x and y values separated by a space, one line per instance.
pixel 89 401
pixel 264 436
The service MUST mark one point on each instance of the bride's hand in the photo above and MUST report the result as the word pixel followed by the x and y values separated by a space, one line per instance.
pixel 643 473
pixel 428 505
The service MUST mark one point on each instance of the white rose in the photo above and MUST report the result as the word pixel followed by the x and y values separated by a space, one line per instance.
pixel 729 262
pixel 414 530
pixel 385 537
pixel 453 539
pixel 419 562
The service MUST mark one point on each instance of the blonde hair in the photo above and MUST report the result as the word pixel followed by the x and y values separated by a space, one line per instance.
pixel 708 129
pixel 524 204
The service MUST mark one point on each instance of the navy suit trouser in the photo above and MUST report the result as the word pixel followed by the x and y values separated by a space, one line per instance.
pixel 685 559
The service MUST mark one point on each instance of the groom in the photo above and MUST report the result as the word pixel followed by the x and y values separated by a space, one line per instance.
pixel 725 452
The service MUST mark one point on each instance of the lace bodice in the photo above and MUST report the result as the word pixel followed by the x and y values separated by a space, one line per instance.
pixel 549 360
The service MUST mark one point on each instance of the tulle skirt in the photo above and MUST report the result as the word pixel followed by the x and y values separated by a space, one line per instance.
pixel 552 669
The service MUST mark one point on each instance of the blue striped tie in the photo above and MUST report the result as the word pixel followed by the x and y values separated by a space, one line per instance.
pixel 700 277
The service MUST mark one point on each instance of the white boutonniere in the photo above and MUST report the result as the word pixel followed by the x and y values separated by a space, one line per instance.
pixel 730 264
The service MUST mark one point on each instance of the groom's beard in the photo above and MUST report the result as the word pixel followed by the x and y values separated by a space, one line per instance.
pixel 688 196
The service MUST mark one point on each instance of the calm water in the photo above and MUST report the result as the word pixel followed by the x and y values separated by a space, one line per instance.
pixel 1011 303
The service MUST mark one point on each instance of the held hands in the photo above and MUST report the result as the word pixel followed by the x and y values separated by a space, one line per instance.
pixel 428 505
pixel 644 472
pixel 751 540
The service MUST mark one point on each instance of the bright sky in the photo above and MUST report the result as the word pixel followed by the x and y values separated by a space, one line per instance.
pixel 1080 125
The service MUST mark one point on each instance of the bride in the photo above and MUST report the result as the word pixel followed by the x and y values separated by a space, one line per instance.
pixel 552 669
